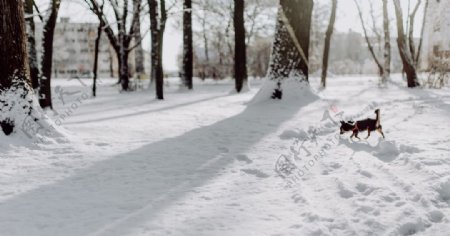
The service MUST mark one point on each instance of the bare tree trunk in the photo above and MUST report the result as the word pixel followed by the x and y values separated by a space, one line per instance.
pixel 14 65
pixel 387 43
pixel 45 95
pixel 412 47
pixel 366 37
pixel 240 55
pixel 188 52
pixel 32 54
pixel 157 26
pixel 407 60
pixel 292 35
pixel 326 49
pixel 139 51
pixel 97 46
pixel 419 48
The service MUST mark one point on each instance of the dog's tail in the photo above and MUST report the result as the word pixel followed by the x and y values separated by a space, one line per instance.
pixel 378 118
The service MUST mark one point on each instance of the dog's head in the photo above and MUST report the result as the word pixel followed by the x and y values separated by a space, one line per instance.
pixel 346 126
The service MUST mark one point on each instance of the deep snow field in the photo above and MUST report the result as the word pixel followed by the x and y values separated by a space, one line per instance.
pixel 211 162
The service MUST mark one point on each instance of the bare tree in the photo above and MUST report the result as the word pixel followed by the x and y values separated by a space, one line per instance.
pixel 240 53
pixel 188 51
pixel 326 49
pixel 412 16
pixel 366 37
pixel 97 48
pixel 138 50
pixel 419 48
pixel 45 95
pixel 157 27
pixel 122 40
pixel 387 43
pixel 405 54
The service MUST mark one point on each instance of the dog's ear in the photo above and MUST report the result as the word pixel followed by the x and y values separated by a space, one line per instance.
pixel 350 122
pixel 342 122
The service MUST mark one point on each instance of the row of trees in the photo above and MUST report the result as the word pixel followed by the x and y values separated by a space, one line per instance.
pixel 290 50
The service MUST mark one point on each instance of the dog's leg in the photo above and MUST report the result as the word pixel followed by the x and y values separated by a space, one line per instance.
pixel 380 131
pixel 368 133
pixel 356 135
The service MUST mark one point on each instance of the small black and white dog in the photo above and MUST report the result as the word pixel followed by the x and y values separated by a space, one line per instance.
pixel 362 125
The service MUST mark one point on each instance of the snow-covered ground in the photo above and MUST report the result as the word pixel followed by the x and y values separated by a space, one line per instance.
pixel 210 162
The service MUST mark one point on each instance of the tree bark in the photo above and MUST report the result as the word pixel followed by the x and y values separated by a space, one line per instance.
pixel 387 43
pixel 188 51
pixel 405 55
pixel 326 49
pixel 292 36
pixel 45 95
pixel 32 54
pixel 240 50
pixel 14 64
pixel 157 26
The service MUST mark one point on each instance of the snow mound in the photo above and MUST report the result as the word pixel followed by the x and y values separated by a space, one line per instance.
pixel 443 190
pixel 386 150
pixel 20 109
pixel 295 90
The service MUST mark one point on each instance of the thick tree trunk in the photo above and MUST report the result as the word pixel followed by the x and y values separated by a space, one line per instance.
pixel 240 53
pixel 32 54
pixel 14 67
pixel 97 48
pixel 405 55
pixel 291 44
pixel 326 49
pixel 188 52
pixel 387 44
pixel 45 95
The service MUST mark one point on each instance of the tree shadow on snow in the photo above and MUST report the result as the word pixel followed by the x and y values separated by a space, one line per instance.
pixel 113 196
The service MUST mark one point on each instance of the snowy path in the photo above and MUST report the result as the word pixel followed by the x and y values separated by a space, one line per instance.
pixel 203 163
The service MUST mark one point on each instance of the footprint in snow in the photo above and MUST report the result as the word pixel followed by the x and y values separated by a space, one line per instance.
pixel 256 173
pixel 244 158
pixel 224 149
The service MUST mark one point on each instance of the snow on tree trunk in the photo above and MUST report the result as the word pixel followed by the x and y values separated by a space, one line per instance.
pixel 45 96
pixel 19 110
pixel 188 53
pixel 288 69
pixel 240 55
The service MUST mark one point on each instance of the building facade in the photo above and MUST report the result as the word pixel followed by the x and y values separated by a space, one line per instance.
pixel 74 51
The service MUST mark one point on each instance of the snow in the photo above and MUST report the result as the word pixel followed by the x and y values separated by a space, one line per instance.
pixel 204 162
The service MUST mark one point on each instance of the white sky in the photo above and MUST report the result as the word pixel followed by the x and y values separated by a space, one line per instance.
pixel 347 19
